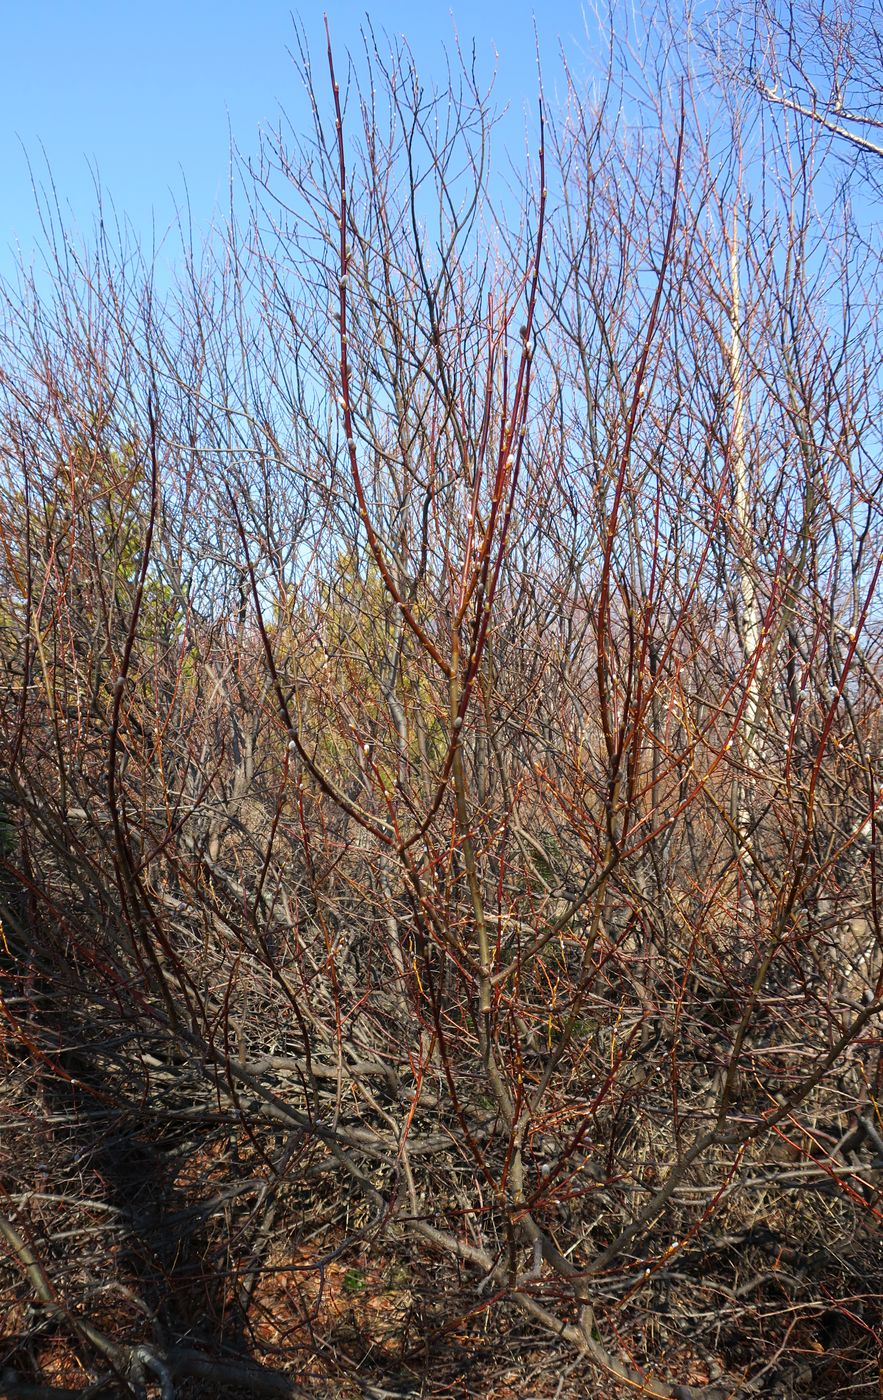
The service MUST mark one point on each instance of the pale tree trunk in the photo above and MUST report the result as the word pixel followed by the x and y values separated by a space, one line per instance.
pixel 748 621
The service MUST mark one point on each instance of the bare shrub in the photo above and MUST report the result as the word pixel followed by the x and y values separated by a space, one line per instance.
pixel 440 753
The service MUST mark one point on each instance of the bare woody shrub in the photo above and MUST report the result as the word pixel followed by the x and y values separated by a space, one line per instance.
pixel 440 766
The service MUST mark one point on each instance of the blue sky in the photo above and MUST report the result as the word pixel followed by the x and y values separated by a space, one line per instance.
pixel 144 95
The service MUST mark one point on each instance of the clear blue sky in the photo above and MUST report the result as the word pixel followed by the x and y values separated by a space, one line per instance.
pixel 143 93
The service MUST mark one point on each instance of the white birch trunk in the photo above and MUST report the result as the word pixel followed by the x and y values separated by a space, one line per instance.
pixel 749 623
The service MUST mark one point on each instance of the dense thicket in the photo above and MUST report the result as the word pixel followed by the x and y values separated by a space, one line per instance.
pixel 440 763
